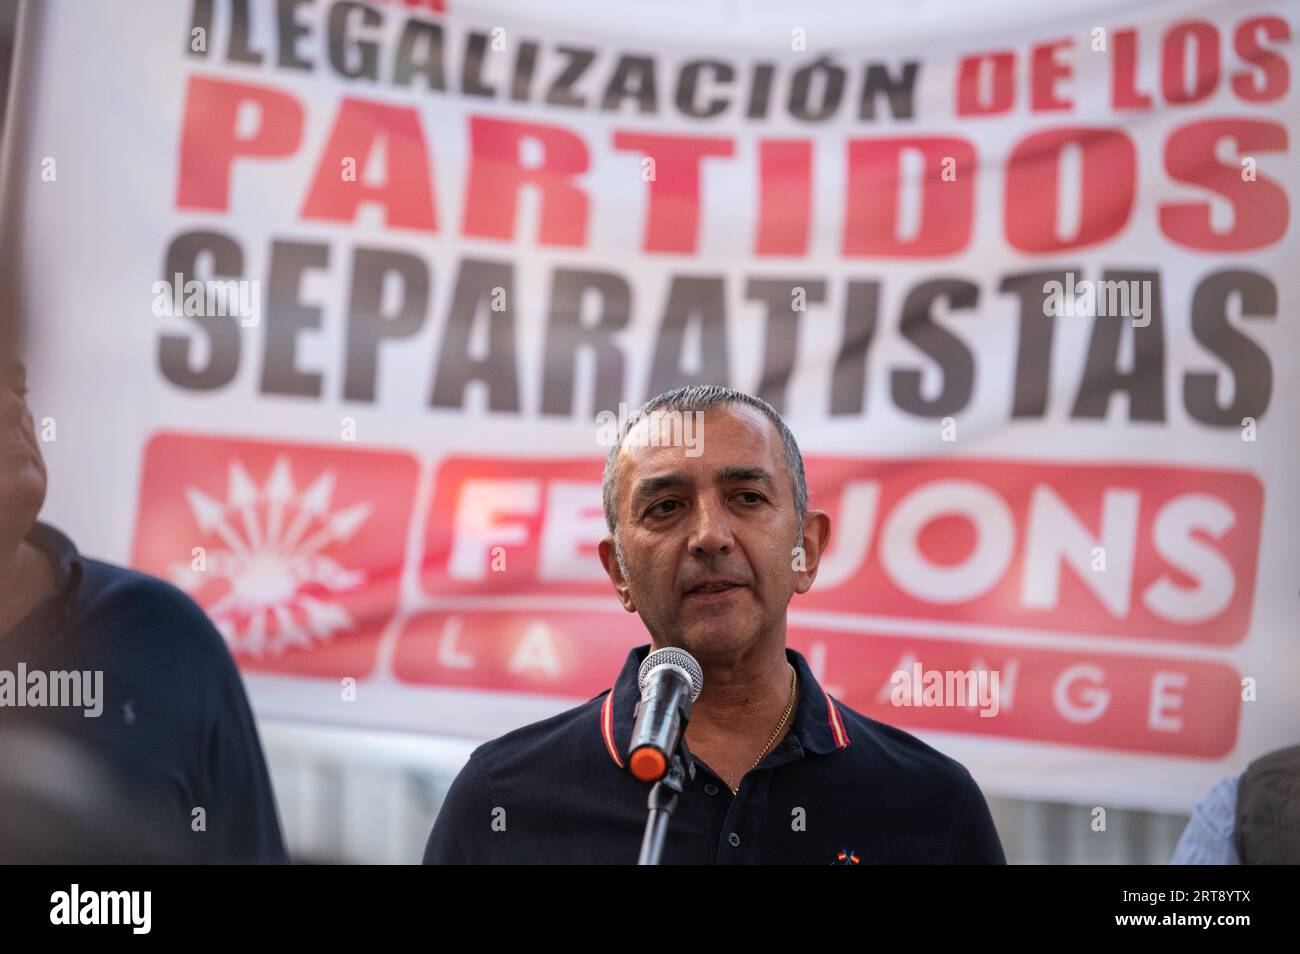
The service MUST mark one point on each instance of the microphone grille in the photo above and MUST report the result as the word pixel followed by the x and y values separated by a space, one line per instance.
pixel 672 656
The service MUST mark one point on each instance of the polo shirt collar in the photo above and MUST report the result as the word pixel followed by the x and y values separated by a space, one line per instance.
pixel 818 724
pixel 68 563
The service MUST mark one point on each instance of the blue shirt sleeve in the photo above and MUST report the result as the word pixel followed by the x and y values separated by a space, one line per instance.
pixel 1208 837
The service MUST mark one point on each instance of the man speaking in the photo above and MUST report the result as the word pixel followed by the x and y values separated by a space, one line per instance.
pixel 708 543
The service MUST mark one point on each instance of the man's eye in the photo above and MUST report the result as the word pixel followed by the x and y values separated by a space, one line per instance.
pixel 751 493
pixel 655 509
pixel 21 391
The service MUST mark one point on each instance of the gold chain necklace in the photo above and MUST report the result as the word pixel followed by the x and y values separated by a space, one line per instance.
pixel 789 707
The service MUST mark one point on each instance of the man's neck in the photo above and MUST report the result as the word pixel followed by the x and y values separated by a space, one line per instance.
pixel 741 705
pixel 26 578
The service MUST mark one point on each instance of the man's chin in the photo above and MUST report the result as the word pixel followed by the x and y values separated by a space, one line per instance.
pixel 21 497
pixel 705 641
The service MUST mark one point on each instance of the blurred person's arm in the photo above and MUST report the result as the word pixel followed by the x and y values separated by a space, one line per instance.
pixel 243 826
pixel 227 773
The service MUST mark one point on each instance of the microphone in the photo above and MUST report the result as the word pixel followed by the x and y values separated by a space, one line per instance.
pixel 670 680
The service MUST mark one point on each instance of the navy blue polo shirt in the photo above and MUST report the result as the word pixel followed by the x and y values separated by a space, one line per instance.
pixel 840 788
pixel 174 729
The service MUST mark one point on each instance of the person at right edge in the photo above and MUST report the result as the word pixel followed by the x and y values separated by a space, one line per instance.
pixel 1248 819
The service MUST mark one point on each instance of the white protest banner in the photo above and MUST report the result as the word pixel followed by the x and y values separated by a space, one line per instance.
pixel 330 300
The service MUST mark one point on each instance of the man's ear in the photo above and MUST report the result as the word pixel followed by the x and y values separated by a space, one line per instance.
pixel 816 533
pixel 610 561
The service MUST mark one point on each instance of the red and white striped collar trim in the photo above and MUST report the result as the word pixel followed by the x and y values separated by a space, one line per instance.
pixel 836 722
pixel 607 728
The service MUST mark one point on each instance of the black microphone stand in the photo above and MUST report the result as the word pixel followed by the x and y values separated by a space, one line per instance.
pixel 662 801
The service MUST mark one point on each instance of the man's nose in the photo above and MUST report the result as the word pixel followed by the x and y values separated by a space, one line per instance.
pixel 710 531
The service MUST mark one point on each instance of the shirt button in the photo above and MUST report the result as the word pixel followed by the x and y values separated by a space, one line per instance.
pixel 734 839
pixel 710 788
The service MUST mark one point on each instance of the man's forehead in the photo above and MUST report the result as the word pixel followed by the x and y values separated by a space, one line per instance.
pixel 731 435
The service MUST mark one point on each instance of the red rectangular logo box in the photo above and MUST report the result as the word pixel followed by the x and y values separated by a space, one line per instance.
pixel 295 551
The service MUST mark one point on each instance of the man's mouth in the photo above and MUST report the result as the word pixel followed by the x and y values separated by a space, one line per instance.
pixel 716 588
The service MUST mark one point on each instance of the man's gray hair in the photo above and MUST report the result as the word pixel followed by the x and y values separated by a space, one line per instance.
pixel 702 397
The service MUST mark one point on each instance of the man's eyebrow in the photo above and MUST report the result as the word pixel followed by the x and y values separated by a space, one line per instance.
pixel 746 475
